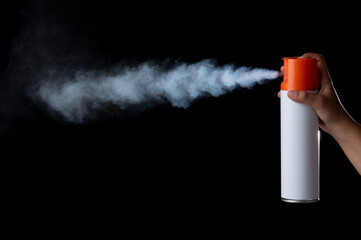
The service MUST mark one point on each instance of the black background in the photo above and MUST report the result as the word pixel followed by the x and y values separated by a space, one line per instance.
pixel 218 159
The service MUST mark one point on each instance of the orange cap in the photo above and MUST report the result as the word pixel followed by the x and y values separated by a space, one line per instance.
pixel 300 74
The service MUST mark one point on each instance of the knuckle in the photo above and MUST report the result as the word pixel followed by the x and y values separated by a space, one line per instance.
pixel 320 57
pixel 302 95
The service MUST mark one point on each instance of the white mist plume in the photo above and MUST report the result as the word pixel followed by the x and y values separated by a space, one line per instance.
pixel 74 97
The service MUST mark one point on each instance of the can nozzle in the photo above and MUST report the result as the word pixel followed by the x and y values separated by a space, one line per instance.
pixel 300 74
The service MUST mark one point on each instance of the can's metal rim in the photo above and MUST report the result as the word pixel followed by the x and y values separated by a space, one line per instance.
pixel 300 200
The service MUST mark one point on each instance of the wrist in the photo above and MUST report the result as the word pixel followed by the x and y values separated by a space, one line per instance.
pixel 345 128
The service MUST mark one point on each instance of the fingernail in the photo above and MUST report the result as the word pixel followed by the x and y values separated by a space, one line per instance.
pixel 292 94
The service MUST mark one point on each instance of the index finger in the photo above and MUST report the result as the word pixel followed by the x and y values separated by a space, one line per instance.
pixel 322 66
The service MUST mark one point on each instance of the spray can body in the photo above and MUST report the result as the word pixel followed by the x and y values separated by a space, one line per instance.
pixel 299 134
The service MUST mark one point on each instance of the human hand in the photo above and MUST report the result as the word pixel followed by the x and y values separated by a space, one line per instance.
pixel 333 117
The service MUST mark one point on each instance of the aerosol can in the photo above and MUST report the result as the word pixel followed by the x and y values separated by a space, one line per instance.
pixel 299 134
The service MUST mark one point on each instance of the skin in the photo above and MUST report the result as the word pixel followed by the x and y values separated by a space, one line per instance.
pixel 334 119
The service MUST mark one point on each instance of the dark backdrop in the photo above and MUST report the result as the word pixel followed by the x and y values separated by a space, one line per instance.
pixel 219 157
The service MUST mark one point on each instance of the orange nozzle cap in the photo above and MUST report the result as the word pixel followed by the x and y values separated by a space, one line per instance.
pixel 300 74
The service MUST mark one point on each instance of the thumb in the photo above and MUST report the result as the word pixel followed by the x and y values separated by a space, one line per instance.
pixel 307 98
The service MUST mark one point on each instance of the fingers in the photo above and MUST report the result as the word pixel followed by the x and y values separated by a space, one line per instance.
pixel 307 98
pixel 320 60
pixel 311 99
pixel 322 66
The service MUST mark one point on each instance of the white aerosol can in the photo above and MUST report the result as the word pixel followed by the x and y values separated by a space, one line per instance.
pixel 299 134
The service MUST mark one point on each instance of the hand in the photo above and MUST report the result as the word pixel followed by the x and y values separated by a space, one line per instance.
pixel 326 103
